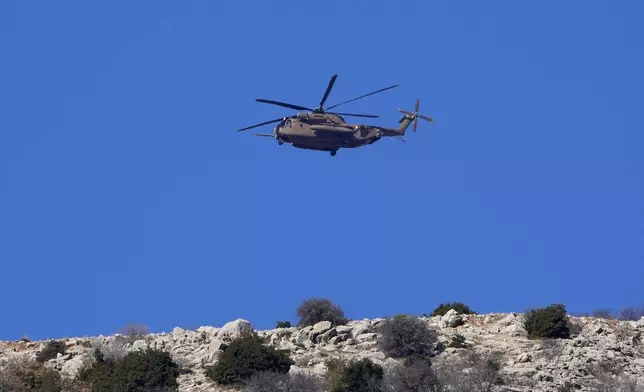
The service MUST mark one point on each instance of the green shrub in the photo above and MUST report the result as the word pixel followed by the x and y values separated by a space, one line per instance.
pixel 548 322
pixel 246 356
pixel 458 341
pixel 314 310
pixel 356 376
pixel 138 371
pixel 283 324
pixel 460 307
pixel 51 350
pixel 405 336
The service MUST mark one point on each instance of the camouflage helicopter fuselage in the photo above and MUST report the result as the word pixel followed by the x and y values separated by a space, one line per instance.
pixel 330 132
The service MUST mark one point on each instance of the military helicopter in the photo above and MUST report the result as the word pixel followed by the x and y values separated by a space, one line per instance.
pixel 321 130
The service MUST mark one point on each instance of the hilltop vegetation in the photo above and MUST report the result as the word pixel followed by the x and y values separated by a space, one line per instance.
pixel 455 349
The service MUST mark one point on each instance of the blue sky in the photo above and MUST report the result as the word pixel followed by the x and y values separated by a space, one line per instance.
pixel 126 196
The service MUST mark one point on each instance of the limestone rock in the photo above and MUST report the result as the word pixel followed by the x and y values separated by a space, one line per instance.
pixel 234 329
pixel 71 367
pixel 139 345
pixel 362 326
pixel 525 357
pixel 451 319
pixel 319 329
pixel 343 329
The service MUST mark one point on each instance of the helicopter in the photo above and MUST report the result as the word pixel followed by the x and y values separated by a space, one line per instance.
pixel 321 130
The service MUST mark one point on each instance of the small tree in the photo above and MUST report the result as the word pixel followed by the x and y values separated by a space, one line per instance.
pixel 246 356
pixel 548 322
pixel 314 310
pixel 405 336
pixel 460 307
pixel 283 324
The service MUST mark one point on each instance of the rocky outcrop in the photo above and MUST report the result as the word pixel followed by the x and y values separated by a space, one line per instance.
pixel 529 365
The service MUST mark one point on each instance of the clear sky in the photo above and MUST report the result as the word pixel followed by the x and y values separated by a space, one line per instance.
pixel 126 196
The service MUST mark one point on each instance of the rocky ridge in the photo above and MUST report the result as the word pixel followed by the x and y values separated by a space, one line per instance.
pixel 529 365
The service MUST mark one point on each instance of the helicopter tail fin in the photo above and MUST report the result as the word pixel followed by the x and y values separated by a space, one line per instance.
pixel 409 117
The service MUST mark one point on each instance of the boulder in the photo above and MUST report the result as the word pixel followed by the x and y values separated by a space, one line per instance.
pixel 71 367
pixel 233 329
pixel 362 326
pixel 451 319
pixel 325 337
pixel 319 329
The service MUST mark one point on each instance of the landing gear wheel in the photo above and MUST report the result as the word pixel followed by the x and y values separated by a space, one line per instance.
pixel 280 142
pixel 333 153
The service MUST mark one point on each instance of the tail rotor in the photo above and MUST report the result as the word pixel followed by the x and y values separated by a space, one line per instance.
pixel 415 115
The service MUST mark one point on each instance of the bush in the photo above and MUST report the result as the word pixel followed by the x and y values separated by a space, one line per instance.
pixel 138 371
pixel 280 382
pixel 405 336
pixel 21 375
pixel 458 341
pixel 246 356
pixel 134 332
pixel 603 314
pixel 283 324
pixel 416 376
pixel 548 322
pixel 51 350
pixel 630 314
pixel 356 376
pixel 314 310
pixel 460 307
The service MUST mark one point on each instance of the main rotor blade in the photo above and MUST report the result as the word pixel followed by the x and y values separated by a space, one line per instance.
pixel 260 124
pixel 362 96
pixel 286 105
pixel 354 115
pixel 263 134
pixel 328 90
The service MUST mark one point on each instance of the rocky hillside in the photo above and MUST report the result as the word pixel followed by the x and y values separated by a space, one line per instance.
pixel 527 364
